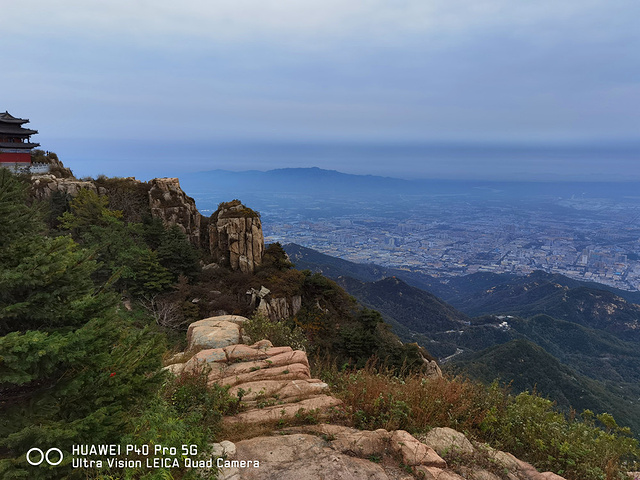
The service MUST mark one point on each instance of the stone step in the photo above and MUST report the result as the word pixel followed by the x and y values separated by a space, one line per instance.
pixel 320 403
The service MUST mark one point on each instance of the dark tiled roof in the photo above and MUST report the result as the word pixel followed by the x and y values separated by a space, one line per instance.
pixel 19 146
pixel 10 129
pixel 6 117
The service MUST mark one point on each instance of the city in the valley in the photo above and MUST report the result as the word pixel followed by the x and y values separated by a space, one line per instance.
pixel 583 237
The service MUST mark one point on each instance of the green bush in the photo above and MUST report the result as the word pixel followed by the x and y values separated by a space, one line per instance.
pixel 532 429
pixel 281 334
pixel 242 212
pixel 186 411
pixel 588 447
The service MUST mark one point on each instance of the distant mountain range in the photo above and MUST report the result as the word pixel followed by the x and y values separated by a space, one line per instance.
pixel 575 342
pixel 318 180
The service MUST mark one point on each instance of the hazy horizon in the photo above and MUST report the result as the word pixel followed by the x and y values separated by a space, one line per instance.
pixel 407 160
pixel 156 88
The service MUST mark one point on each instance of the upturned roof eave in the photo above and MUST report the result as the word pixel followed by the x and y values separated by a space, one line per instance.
pixel 6 117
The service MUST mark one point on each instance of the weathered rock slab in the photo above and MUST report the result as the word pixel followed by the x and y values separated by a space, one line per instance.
pixel 301 456
pixel 446 440
pixel 284 390
pixel 413 452
pixel 285 412
pixel 296 371
pixel 363 444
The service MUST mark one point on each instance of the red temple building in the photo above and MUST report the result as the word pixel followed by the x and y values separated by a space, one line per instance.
pixel 15 142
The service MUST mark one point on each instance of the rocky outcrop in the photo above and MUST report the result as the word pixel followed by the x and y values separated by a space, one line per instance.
pixel 276 308
pixel 280 308
pixel 174 207
pixel 431 368
pixel 233 234
pixel 275 384
pixel 167 201
pixel 235 237
pixel 44 186
pixel 336 452
pixel 272 382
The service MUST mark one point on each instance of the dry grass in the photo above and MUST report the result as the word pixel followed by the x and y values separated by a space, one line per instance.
pixel 376 398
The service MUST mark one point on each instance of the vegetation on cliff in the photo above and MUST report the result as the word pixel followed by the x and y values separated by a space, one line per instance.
pixel 72 365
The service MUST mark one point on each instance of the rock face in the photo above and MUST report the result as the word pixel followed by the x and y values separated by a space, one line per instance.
pixel 235 237
pixel 174 207
pixel 43 186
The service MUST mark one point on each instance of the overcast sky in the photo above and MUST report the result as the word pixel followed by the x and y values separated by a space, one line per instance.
pixel 129 76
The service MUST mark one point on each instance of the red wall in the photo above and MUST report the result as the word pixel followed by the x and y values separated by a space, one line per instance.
pixel 15 158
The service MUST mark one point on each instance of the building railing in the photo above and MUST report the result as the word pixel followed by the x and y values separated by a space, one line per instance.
pixel 34 168
pixel 39 168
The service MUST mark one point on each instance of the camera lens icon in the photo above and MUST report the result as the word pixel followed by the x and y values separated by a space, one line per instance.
pixel 34 453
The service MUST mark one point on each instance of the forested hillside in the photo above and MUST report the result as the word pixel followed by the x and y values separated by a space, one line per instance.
pixel 590 332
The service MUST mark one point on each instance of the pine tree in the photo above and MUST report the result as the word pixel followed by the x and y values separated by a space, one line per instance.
pixel 177 255
pixel 70 366
pixel 120 248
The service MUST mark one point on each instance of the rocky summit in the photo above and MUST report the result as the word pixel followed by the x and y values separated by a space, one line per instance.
pixel 233 234
pixel 274 384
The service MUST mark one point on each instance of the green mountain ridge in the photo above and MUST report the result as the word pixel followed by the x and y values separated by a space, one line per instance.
pixel 592 305
pixel 587 366
pixel 526 366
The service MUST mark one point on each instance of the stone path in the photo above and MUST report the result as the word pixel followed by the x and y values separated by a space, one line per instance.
pixel 273 383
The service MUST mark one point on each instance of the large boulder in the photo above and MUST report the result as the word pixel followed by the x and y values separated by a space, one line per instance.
pixel 214 332
pixel 413 452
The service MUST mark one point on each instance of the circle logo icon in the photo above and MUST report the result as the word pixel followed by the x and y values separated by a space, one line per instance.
pixel 44 456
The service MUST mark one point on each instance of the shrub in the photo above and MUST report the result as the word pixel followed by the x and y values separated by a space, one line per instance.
pixel 530 427
pixel 281 334
pixel 184 412
pixel 526 425
pixel 235 209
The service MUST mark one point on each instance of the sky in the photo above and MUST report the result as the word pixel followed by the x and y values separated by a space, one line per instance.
pixel 155 87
